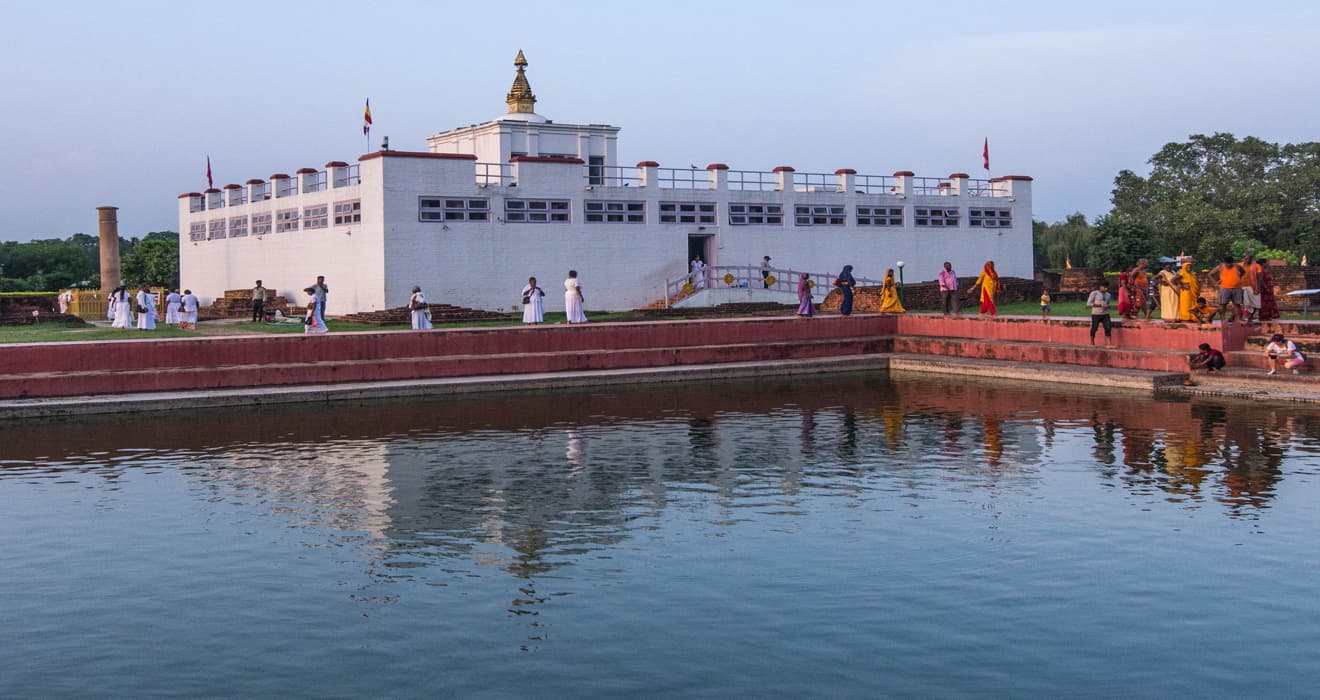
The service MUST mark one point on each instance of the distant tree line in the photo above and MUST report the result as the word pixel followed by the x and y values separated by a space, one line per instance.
pixel 52 264
pixel 1209 197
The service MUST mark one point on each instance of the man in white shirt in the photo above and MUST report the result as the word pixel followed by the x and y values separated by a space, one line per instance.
pixel 1098 303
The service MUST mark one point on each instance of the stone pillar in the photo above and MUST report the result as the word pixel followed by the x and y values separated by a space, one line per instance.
pixel 847 179
pixel 903 182
pixel 107 224
pixel 958 185
pixel 784 178
pixel 719 176
pixel 648 173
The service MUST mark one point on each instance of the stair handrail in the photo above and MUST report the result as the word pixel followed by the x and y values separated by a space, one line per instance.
pixel 749 277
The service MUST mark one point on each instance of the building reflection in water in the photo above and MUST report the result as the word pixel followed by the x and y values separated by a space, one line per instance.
pixel 527 483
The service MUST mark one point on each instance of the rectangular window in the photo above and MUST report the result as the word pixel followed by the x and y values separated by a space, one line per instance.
pixel 286 220
pixel 603 211
pixel 595 170
pixel 990 218
pixel 197 231
pixel 348 212
pixel 756 214
pixel 879 216
pixel 261 224
pixel 819 215
pixel 935 217
pixel 536 211
pixel 316 217
pixel 215 229
pixel 453 209
pixel 238 227
pixel 687 213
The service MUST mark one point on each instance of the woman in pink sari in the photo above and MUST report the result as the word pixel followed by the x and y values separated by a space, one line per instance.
pixel 1125 306
pixel 804 297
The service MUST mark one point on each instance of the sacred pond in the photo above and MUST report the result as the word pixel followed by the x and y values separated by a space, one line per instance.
pixel 846 535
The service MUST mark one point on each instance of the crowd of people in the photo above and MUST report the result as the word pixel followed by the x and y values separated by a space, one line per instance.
pixel 125 309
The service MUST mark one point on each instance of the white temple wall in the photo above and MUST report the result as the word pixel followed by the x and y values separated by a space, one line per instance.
pixel 350 256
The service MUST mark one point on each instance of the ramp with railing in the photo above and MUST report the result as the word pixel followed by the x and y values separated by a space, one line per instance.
pixel 781 281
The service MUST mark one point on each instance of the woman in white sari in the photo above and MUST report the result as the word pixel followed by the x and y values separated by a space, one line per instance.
pixel 312 322
pixel 190 304
pixel 421 311
pixel 123 308
pixel 146 301
pixel 533 307
pixel 173 302
pixel 573 299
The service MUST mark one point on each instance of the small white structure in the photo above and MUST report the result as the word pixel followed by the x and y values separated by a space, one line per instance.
pixel 491 204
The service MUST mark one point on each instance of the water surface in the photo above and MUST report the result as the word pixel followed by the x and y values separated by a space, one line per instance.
pixel 844 536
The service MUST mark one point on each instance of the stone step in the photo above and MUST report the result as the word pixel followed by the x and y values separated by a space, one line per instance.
pixel 174 378
pixel 1256 359
pixel 1154 360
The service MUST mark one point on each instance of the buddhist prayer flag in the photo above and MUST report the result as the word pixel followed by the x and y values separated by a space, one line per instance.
pixel 209 182
pixel 985 154
pixel 366 118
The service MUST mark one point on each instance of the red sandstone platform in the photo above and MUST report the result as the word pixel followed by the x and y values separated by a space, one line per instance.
pixel 182 364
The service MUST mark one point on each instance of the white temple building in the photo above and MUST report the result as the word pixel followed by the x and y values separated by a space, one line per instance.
pixel 486 206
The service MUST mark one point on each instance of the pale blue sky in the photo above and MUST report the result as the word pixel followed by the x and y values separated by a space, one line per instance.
pixel 120 103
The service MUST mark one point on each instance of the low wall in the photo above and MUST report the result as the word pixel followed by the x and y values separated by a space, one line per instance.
pixel 1127 334
pixel 483 343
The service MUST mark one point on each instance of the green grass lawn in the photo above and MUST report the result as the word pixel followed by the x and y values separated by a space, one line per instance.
pixel 1032 308
pixel 57 333
pixel 53 333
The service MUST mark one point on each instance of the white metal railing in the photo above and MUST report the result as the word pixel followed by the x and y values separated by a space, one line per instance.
pixel 196 204
pixel 986 188
pixel 749 276
pixel 931 186
pixel 345 177
pixel 877 184
pixel 318 182
pixel 286 187
pixel 680 179
pixel 498 174
pixel 753 180
pixel 237 197
pixel 612 176
pixel 816 182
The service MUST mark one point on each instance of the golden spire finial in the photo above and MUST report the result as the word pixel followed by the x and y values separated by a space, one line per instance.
pixel 520 99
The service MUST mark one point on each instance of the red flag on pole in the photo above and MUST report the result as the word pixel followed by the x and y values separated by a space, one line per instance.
pixel 985 154
pixel 366 118
pixel 210 184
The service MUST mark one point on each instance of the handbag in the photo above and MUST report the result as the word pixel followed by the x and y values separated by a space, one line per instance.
pixel 527 299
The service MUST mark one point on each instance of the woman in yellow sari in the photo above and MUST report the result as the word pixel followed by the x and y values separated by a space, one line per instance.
pixel 1167 280
pixel 1189 290
pixel 988 281
pixel 889 302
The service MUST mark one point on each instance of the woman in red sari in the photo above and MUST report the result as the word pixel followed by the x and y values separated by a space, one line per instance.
pixel 988 281
pixel 1125 296
pixel 1269 308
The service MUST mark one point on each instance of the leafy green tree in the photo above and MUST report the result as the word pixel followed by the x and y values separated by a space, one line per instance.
pixel 1062 242
pixel 154 262
pixel 1206 193
pixel 1120 240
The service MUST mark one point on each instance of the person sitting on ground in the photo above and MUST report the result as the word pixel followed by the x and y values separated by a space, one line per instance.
pixel 1209 359
pixel 1284 352
pixel 1203 311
